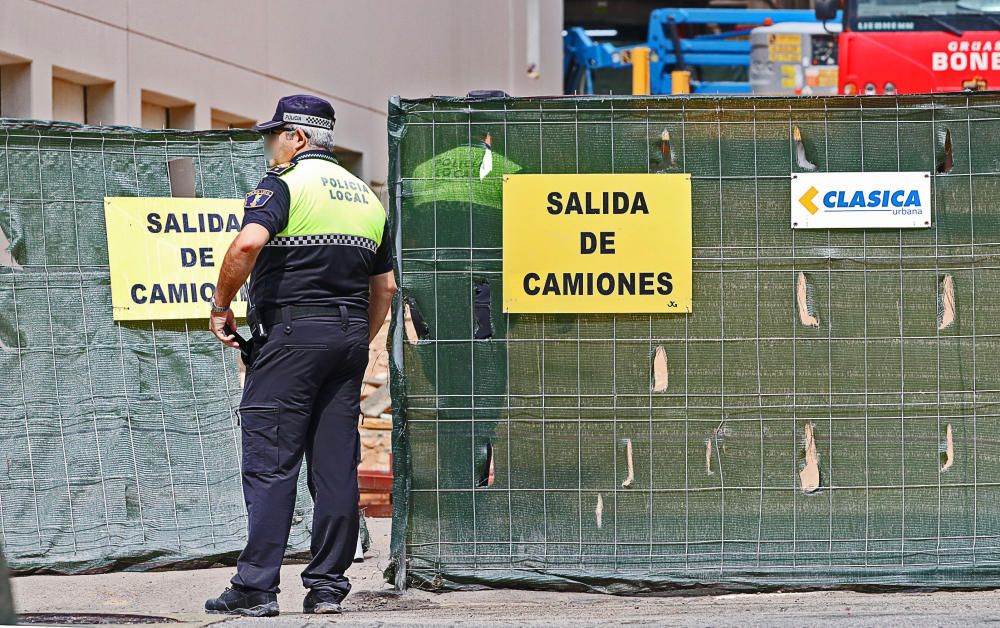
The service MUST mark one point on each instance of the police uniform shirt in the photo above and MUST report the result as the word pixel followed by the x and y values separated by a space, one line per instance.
pixel 328 233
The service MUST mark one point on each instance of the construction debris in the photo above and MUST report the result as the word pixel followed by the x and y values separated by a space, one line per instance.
pixel 375 469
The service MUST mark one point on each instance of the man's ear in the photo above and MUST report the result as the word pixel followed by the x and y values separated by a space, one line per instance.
pixel 301 140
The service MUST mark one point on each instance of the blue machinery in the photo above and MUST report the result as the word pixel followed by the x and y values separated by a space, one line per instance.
pixel 662 65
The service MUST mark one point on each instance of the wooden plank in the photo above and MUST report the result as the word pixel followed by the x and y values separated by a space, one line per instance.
pixel 377 423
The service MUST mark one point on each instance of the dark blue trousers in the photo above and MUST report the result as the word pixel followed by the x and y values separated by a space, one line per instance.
pixel 302 396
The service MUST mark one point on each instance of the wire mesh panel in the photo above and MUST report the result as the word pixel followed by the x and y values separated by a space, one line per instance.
pixel 826 416
pixel 119 441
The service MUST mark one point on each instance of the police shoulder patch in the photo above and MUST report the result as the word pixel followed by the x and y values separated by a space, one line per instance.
pixel 281 168
pixel 257 198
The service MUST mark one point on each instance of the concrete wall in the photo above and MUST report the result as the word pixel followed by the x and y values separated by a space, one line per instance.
pixel 228 61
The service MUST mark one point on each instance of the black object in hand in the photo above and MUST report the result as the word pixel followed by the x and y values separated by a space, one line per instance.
pixel 246 348
pixel 240 340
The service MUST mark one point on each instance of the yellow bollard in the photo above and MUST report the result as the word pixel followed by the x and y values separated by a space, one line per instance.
pixel 680 82
pixel 640 71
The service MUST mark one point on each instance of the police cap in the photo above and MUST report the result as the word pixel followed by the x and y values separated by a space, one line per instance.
pixel 301 109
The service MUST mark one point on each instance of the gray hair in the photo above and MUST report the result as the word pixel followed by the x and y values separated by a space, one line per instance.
pixel 321 138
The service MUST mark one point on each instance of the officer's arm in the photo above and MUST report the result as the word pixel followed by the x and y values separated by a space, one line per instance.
pixel 239 261
pixel 381 283
pixel 380 291
pixel 265 213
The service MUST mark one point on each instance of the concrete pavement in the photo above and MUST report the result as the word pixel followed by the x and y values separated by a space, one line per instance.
pixel 179 595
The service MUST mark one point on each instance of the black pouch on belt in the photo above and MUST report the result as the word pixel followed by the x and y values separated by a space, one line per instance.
pixel 258 330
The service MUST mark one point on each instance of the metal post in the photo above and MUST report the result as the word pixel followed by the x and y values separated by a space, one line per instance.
pixel 640 71
pixel 680 82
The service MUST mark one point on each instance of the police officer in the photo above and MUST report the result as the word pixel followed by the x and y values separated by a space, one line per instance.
pixel 318 243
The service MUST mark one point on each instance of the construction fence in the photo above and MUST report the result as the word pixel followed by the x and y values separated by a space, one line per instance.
pixel 6 601
pixel 826 416
pixel 120 440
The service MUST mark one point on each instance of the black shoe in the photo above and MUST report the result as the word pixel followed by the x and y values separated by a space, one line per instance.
pixel 236 600
pixel 322 601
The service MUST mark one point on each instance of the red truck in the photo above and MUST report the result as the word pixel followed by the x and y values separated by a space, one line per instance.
pixel 916 46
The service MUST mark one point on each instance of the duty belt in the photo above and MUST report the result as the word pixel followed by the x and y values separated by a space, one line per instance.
pixel 261 322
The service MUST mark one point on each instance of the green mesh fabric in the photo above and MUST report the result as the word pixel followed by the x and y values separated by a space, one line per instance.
pixel 600 482
pixel 6 601
pixel 120 441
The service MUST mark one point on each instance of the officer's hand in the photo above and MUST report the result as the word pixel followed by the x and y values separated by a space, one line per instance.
pixel 218 322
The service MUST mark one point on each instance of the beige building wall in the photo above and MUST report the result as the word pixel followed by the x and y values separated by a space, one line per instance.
pixel 214 64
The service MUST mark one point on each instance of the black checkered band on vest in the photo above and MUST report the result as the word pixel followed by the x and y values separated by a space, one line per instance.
pixel 336 239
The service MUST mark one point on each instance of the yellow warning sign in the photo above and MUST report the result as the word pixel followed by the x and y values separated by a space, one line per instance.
pixel 597 243
pixel 790 76
pixel 784 47
pixel 165 255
